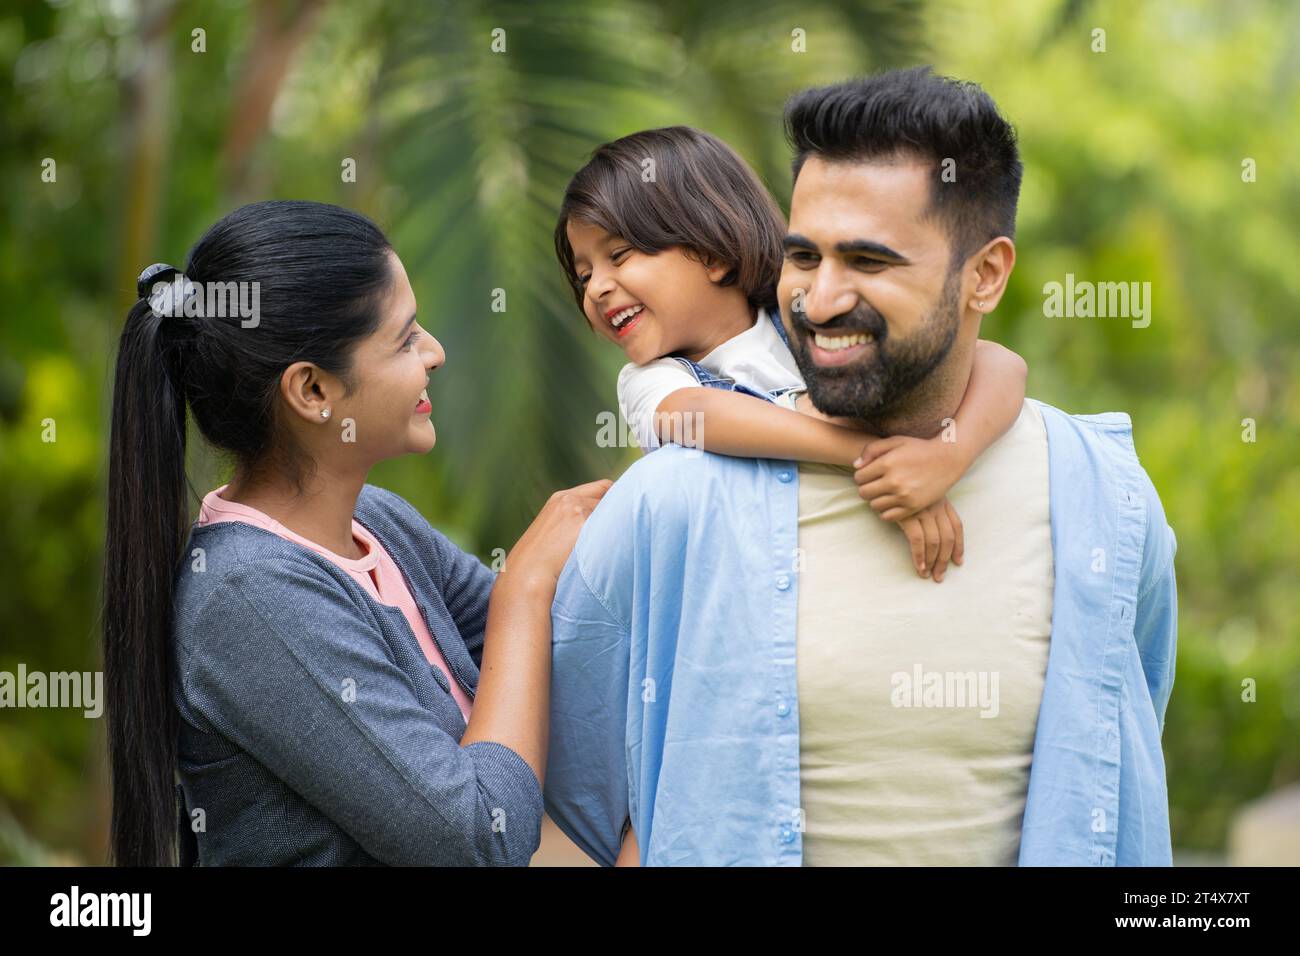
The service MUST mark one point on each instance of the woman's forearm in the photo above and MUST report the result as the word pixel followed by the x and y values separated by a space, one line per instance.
pixel 513 700
pixel 512 703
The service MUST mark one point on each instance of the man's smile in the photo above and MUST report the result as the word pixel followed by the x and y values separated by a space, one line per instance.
pixel 835 350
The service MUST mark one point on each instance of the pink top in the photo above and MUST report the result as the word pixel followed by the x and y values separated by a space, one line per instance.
pixel 376 572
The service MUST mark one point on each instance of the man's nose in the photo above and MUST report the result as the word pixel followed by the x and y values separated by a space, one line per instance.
pixel 827 296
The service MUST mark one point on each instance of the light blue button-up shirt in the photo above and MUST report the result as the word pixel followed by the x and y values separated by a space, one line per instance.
pixel 673 693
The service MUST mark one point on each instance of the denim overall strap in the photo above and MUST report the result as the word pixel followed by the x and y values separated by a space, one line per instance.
pixel 709 380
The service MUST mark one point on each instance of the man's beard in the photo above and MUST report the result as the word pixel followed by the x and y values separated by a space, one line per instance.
pixel 870 388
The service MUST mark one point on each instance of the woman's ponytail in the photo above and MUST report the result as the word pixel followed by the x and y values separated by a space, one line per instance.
pixel 147 523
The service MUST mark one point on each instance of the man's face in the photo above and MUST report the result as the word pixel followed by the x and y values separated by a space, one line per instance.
pixel 871 304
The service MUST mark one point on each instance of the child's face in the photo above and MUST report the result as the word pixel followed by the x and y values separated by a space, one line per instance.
pixel 668 293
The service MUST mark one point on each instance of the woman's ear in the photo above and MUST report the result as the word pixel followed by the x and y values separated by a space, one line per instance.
pixel 309 392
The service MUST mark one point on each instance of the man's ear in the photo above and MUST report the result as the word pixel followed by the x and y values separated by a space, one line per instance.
pixel 309 391
pixel 987 273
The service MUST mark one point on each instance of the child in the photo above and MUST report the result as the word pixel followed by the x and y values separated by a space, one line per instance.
pixel 673 249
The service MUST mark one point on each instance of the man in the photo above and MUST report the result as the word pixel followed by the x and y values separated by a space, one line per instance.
pixel 1010 714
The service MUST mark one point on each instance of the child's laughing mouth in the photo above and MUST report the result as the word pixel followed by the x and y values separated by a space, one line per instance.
pixel 625 320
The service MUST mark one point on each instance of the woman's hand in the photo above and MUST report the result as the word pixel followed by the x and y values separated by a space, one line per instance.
pixel 936 536
pixel 539 555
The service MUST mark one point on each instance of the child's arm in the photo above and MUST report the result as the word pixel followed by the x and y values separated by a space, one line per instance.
pixel 743 426
pixel 747 427
pixel 900 475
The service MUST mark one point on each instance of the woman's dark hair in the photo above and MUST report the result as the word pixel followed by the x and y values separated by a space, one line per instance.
pixel 320 275
pixel 916 113
pixel 679 186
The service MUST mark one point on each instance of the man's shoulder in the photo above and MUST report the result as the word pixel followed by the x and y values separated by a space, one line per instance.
pixel 671 490
pixel 1099 423
pixel 1085 451
pixel 674 473
pixel 1103 440
pixel 673 513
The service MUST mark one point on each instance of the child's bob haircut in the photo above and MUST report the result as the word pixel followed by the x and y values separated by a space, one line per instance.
pixel 678 186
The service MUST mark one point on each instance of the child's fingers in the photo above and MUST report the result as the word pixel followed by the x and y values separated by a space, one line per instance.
pixel 946 539
pixel 874 489
pixel 869 472
pixel 882 445
pixel 931 528
pixel 959 547
pixel 915 535
pixel 864 456
pixel 883 503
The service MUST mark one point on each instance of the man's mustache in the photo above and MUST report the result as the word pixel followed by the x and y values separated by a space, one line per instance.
pixel 862 318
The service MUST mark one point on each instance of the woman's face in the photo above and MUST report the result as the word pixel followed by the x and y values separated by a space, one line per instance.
pixel 387 413
pixel 671 291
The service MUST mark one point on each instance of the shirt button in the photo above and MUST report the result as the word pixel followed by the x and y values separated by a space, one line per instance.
pixel 784 476
pixel 787 835
pixel 782 709
pixel 783 582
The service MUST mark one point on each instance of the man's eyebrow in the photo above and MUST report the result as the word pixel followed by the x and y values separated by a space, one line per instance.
pixel 405 328
pixel 868 246
pixel 879 249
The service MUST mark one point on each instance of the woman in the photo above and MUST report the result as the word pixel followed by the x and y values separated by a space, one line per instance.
pixel 309 659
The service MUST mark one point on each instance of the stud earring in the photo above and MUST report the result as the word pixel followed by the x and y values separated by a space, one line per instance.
pixel 980 305
pixel 324 413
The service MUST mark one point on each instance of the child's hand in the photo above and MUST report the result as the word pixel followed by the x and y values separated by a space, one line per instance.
pixel 898 476
pixel 936 536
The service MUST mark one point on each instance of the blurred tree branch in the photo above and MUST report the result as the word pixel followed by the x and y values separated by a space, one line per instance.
pixel 146 93
pixel 279 31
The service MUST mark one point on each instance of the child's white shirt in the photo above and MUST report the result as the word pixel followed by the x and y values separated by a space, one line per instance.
pixel 756 358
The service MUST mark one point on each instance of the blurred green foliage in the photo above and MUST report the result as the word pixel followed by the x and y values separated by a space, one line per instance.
pixel 1133 173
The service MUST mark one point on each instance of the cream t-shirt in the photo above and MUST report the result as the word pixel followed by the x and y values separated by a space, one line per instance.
pixel 918 701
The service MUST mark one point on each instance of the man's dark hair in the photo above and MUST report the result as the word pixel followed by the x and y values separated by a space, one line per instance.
pixel 918 114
